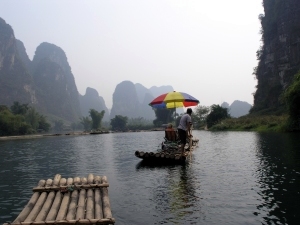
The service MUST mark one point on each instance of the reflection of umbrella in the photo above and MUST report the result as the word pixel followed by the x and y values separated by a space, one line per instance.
pixel 174 99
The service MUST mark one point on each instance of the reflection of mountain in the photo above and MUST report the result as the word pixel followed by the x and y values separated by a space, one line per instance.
pixel 277 177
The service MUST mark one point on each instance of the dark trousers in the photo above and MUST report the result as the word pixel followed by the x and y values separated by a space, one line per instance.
pixel 182 136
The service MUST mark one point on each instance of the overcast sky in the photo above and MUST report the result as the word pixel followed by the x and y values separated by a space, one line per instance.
pixel 201 47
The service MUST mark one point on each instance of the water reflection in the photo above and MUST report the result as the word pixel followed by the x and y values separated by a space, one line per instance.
pixel 278 182
pixel 177 196
pixel 233 177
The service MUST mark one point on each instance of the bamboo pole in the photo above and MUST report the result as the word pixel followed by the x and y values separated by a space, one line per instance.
pixel 90 199
pixel 40 202
pixel 47 205
pixel 146 155
pixel 61 214
pixel 25 212
pixel 73 202
pixel 162 155
pixel 157 155
pixel 105 199
pixel 167 155
pixel 137 153
pixel 98 200
pixel 142 154
pixel 56 203
pixel 81 201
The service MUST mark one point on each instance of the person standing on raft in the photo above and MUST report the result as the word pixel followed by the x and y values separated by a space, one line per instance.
pixel 184 128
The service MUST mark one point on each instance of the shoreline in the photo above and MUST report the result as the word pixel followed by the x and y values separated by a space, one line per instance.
pixel 29 136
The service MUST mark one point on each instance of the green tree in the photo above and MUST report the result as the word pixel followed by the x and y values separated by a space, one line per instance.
pixel 96 118
pixel 163 116
pixel 11 124
pixel 119 122
pixel 291 96
pixel 17 108
pixel 217 113
pixel 86 122
pixel 32 118
pixel 43 124
pixel 199 116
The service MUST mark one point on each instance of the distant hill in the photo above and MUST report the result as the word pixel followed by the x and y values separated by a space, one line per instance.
pixel 55 84
pixel 47 83
pixel 237 108
pixel 92 100
pixel 16 83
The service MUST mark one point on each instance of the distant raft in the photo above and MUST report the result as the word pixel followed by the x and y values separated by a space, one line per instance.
pixel 68 201
pixel 168 154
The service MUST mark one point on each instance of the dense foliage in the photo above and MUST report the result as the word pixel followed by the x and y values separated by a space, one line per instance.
pixel 199 116
pixel 292 99
pixel 163 116
pixel 86 122
pixel 217 113
pixel 252 123
pixel 21 119
pixel 139 123
pixel 119 123
pixel 96 118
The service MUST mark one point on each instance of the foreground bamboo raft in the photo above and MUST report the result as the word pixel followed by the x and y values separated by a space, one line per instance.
pixel 68 201
pixel 169 155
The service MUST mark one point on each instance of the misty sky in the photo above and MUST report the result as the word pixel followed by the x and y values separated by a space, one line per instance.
pixel 204 48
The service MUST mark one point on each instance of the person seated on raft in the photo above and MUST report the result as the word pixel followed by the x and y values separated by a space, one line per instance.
pixel 169 127
pixel 171 133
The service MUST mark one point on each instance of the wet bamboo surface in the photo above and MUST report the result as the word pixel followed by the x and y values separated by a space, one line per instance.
pixel 68 201
pixel 169 155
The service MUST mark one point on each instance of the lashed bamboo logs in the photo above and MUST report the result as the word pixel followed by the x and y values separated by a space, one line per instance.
pixel 98 200
pixel 81 201
pixel 56 203
pixel 38 205
pixel 25 212
pixel 46 206
pixel 106 203
pixel 68 205
pixel 90 198
pixel 169 154
pixel 73 202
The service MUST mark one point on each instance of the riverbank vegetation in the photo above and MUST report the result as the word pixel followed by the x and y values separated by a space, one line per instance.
pixel 21 119
pixel 253 123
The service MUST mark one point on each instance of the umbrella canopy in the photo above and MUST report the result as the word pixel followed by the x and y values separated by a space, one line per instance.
pixel 174 99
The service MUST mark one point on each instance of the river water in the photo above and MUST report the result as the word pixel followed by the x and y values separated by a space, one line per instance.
pixel 232 177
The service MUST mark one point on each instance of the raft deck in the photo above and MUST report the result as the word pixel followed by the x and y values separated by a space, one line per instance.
pixel 169 155
pixel 68 201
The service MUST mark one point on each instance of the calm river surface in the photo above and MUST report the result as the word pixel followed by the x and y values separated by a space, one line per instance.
pixel 233 177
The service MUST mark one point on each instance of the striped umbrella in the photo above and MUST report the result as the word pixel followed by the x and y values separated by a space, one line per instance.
pixel 173 100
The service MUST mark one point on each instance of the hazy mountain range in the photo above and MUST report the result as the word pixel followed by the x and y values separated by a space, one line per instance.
pixel 47 83
pixel 237 108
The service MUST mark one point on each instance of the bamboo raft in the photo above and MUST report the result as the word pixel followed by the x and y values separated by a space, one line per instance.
pixel 169 155
pixel 68 201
